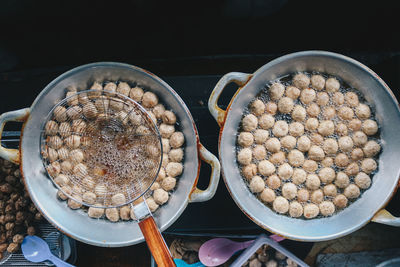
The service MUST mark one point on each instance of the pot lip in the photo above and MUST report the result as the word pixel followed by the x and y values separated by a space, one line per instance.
pixel 278 61
pixel 197 141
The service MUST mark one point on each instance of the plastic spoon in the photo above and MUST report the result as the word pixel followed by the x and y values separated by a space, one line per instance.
pixel 36 249
pixel 217 251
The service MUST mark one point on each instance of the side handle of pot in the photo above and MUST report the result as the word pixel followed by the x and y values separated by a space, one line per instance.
pixel 384 217
pixel 237 77
pixel 20 115
pixel 203 195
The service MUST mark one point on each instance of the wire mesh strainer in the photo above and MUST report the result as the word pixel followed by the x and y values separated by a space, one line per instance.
pixel 101 148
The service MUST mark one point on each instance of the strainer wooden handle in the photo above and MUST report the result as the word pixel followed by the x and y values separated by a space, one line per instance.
pixel 156 242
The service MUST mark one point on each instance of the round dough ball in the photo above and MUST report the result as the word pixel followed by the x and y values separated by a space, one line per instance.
pixel 273 144
pixel 60 113
pixel 153 206
pixel 257 184
pixel 345 144
pixel 322 99
pixel 118 199
pixel 61 180
pixel 245 156
pixel 312 124
pixel 310 166
pixel 123 88
pixel 168 183
pixel 260 136
pixel 341 129
pixel 266 168
pixel 165 130
pixel 368 165
pixel 327 162
pixel 329 113
pixel 175 155
pixel 295 209
pixel 311 211
pixel 340 201
pixel 259 152
pixel 176 140
pixel 112 214
pixel 281 205
pixel 273 182
pixel 352 169
pixel 51 128
pixel 338 98
pixel 266 121
pixel 341 160
pixel 351 99
pixel 76 156
pixel 74 112
pixel 359 138
pixel 352 191
pixel 345 113
pixel 80 170
pixel 271 108
pixel 313 182
pixel 326 128
pixel 158 111
pixel 245 139
pixel 316 139
pixel 276 91
pixel 66 166
pixel 330 146
pixel 299 176
pixel 75 204
pixel 168 117
pixel 136 94
pixel 292 92
pixel 125 213
pixel 149 100
pixel 362 180
pixel 89 110
pixel 304 143
pixel 89 198
pixel 96 213
pixel 317 196
pixel 51 154
pixel 357 154
pixel 174 169
pixel 267 195
pixel 257 107
pixel 65 129
pixel 318 82
pixel 363 112
pixel 271 263
pixel 355 125
pixel 342 180
pixel 369 127
pixel 313 110
pixel 316 153
pixel 249 122
pixel 289 191
pixel 371 148
pixel 327 175
pixel 160 196
pixel 249 171
pixel 277 158
pixel 332 85
pixel 303 195
pixel 295 158
pixel 296 129
pixel 301 80
pixel 288 142
pixel 165 145
pixel 298 113
pixel 285 105
pixel 330 190
pixel 327 208
pixel 55 142
pixel 307 96
pixel 285 171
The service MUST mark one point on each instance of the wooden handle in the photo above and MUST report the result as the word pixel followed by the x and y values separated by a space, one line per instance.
pixel 156 242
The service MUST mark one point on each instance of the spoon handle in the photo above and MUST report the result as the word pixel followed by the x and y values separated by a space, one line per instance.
pixel 58 262
pixel 246 244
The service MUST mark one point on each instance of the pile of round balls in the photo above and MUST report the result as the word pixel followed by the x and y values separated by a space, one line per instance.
pixel 308 146
pixel 66 149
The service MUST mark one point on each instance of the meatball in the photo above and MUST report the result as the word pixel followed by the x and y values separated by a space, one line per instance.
pixel 168 183
pixel 295 209
pixel 165 130
pixel 249 171
pixel 298 113
pixel 94 212
pixel 74 112
pixel 292 92
pixel 307 96
pixel 281 128
pixel 160 196
pixel 355 125
pixel 326 208
pixel 151 203
pixel 299 176
pixel 175 155
pixel 340 201
pixel 342 180
pixel 165 145
pixel 112 214
pixel 276 91
pixel 273 144
pixel 359 138
pixel 326 128
pixel 363 112
pixel 259 152
pixel 55 142
pixel 54 169
pixel 352 169
pixel 362 180
pixel 245 139
pixel 345 143
pixel 322 99
pixel 245 156
pixel 332 85
pixel 327 175
pixel 289 191
pixel 301 80
pixel 268 195
pixel 327 162
pixel 313 182
pixel 51 128
pixel 296 129
pixel 60 113
pixel 136 94
pixel 310 166
pixel 260 136
pixel 174 169
pixel 271 108
pixel 313 110
pixel 316 153
pixel 338 98
pixel 351 99
pixel 89 198
pixel 257 107
pixel 75 204
pixel 149 100
pixel 371 148
pixel 285 105
pixel 330 146
pixel 266 168
pixel 341 129
pixel 311 211
pixel 273 182
pixel 341 160
pixel 330 190
pixel 318 82
pixel 285 171
pixel 352 191
pixel 345 113
pixel 288 142
pixel 158 111
pixel 249 122
pixel 281 205
pixel 277 158
pixel 304 143
pixel 266 121
pixel 369 127
pixel 89 110
pixel 61 180
pixel 257 184
pixel 317 196
pixel 176 140
pixel 357 154
pixel 295 158
pixel 303 195
pixel 312 124
pixel 368 165
pixel 329 113
pixel 168 117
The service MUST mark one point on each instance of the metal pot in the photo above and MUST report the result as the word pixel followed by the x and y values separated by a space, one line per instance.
pixel 385 181
pixel 76 223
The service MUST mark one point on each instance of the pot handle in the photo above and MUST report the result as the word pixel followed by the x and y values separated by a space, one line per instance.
pixel 203 195
pixel 237 77
pixel 384 217
pixel 16 115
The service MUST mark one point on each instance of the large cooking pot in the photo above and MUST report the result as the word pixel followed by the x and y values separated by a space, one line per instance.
pixel 385 181
pixel 76 223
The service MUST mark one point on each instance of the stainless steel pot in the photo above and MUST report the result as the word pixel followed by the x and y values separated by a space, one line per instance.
pixel 385 181
pixel 76 223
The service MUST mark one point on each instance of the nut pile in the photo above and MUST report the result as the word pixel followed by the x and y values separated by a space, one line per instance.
pixel 17 212
pixel 267 257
